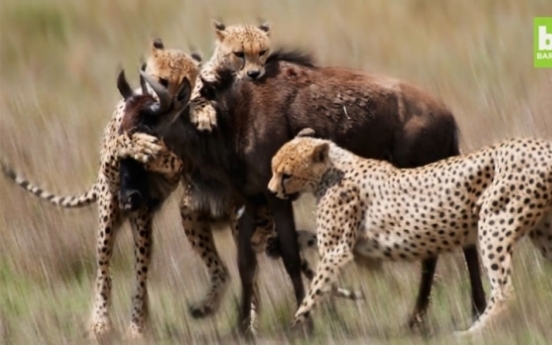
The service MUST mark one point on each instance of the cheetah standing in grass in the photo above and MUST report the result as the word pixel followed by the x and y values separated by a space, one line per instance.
pixel 170 68
pixel 368 208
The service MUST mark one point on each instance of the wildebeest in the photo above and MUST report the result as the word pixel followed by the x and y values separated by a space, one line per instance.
pixel 371 115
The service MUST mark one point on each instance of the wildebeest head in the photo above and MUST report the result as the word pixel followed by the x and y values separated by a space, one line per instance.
pixel 143 111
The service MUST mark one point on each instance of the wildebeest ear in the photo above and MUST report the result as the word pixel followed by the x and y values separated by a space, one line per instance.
pixel 220 29
pixel 184 92
pixel 306 132
pixel 265 26
pixel 320 153
pixel 122 85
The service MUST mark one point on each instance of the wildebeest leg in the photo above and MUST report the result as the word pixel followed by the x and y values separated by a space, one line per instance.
pixel 247 265
pixel 426 282
pixel 478 294
pixel 282 211
pixel 422 302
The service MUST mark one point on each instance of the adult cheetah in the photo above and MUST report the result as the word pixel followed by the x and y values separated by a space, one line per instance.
pixel 370 209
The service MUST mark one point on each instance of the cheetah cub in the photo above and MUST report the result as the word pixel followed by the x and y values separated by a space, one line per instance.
pixel 368 208
pixel 242 49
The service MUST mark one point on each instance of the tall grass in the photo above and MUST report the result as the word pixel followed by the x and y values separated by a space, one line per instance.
pixel 57 69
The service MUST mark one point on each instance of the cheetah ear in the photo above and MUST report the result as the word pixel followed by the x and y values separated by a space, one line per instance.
pixel 306 132
pixel 265 26
pixel 320 153
pixel 156 46
pixel 220 29
pixel 197 57
pixel 143 63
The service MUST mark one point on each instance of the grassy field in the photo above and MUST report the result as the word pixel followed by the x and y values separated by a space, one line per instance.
pixel 58 63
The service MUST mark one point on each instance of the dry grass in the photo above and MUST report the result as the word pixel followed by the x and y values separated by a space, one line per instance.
pixel 57 68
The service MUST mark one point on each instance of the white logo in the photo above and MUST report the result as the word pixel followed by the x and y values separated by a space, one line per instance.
pixel 545 39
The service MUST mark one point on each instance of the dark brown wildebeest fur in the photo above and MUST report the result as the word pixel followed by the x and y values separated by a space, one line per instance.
pixel 372 116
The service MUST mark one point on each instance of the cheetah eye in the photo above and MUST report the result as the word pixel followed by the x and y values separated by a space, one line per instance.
pixel 285 176
pixel 262 52
pixel 239 54
pixel 164 82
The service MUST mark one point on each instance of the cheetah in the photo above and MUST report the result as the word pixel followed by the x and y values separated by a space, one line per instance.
pixel 242 49
pixel 170 67
pixel 370 209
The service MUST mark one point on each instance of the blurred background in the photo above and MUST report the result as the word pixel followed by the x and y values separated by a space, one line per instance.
pixel 58 63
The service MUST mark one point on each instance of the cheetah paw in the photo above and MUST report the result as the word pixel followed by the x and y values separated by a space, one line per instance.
pixel 202 310
pixel 144 148
pixel 134 332
pixel 348 294
pixel 100 329
pixel 302 326
pixel 204 119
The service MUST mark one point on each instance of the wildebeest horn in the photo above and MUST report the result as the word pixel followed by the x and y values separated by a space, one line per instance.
pixel 124 88
pixel 160 90
pixel 143 85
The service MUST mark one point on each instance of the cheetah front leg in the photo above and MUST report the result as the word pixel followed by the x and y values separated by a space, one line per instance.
pixel 333 260
pixel 141 147
pixel 202 113
pixel 141 224
pixel 198 231
pixel 168 164
pixel 335 245
pixel 109 223
pixel 150 151
pixel 306 241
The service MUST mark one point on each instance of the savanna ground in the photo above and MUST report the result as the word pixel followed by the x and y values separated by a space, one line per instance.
pixel 58 67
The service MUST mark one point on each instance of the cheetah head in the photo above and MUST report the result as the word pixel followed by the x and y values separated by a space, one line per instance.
pixel 243 48
pixel 299 165
pixel 171 67
pixel 170 74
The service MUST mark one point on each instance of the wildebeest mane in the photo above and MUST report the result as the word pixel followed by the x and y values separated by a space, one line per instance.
pixel 292 56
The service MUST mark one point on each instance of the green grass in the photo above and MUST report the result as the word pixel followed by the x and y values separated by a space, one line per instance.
pixel 58 62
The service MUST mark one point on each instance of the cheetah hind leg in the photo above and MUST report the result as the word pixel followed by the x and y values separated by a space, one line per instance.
pixel 496 254
pixel 541 236
pixel 198 232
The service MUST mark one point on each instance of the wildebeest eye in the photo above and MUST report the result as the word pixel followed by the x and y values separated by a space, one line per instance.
pixel 262 52
pixel 239 54
pixel 164 82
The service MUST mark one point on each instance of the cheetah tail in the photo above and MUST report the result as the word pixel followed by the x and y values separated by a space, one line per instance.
pixel 74 201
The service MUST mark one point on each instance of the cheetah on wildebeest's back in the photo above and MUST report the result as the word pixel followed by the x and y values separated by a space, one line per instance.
pixel 368 208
